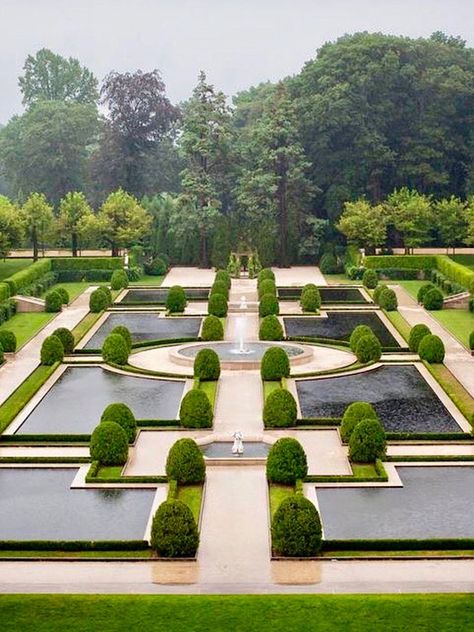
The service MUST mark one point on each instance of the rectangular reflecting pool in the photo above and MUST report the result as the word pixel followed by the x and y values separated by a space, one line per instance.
pixel 158 296
pixel 434 502
pixel 146 327
pixel 76 401
pixel 38 504
pixel 346 295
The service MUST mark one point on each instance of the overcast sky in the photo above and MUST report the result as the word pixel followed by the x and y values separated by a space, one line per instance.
pixel 238 42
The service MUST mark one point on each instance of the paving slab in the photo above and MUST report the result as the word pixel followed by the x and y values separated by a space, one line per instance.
pixel 189 277
pixel 298 276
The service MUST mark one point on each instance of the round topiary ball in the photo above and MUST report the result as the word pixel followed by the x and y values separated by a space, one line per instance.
pixel 219 287
pixel 195 410
pixel 122 415
pixel 266 273
pixel 357 334
pixel 212 328
pixel 378 291
pixel 52 351
pixel 156 267
pixel 370 279
pixel 66 337
pixel 328 264
pixel 8 341
pixel 471 341
pixel 433 300
pixel 275 364
pixel 267 286
pixel 53 301
pixel 423 291
pixel 223 277
pixel 107 291
pixel 63 293
pixel 280 409
pixel 185 462
pixel 268 306
pixel 207 365
pixel 115 349
pixel 119 280
pixel 368 349
pixel 367 442
pixel 176 299
pixel 296 528
pixel 271 328
pixel 431 349
pixel 309 286
pixel 388 300
pixel 123 331
pixel 286 462
pixel 98 301
pixel 217 305
pixel 354 413
pixel 109 444
pixel 310 300
pixel 174 532
pixel 417 333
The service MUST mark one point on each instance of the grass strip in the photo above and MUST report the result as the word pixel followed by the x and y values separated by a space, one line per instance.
pixel 277 494
pixel 191 495
pixel 454 389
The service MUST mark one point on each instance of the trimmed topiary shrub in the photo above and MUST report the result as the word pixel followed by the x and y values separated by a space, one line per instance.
pixel 156 267
pixel 207 365
pixel 63 293
pixel 368 349
pixel 52 351
pixel 220 288
pixel 355 413
pixel 431 349
pixel 423 291
pixel 66 337
pixel 286 462
pixel 185 462
pixel 370 279
pixel 109 444
pixel 471 341
pixel 367 442
pixel 8 340
pixel 388 300
pixel 53 301
pixel 296 528
pixel 174 532
pixel 115 349
pixel 119 280
pixel 122 415
pixel 309 286
pixel 98 301
pixel 266 273
pixel 217 305
pixel 223 277
pixel 378 291
pixel 471 304
pixel 417 333
pixel 107 291
pixel 328 264
pixel 267 286
pixel 212 328
pixel 176 299
pixel 268 306
pixel 310 300
pixel 275 364
pixel 271 328
pixel 280 409
pixel 433 299
pixel 123 331
pixel 195 410
pixel 357 334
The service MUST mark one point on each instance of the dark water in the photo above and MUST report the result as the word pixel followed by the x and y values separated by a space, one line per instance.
pixel 146 327
pixel 328 294
pixel 159 295
pixel 434 502
pixel 339 326
pixel 228 351
pixel 76 401
pixel 38 504
pixel 221 449
pixel 402 398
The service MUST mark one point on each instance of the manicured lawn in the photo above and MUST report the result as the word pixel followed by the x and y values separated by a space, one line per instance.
pixel 269 386
pixel 456 391
pixel 363 469
pixel 465 260
pixel 74 289
pixel 26 325
pixel 237 613
pixel 210 388
pixel 86 323
pixel 335 279
pixel 110 471
pixel 278 493
pixel 147 279
pixel 191 495
pixel 460 322
pixel 10 266
pixel 399 323
pixel 411 287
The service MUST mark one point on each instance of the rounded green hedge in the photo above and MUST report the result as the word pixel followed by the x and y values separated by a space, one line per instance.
pixel 212 328
pixel 388 300
pixel 53 301
pixel 195 410
pixel 122 415
pixel 433 300
pixel 185 462
pixel 268 306
pixel 275 364
pixel 8 340
pixel 267 286
pixel 223 277
pixel 156 267
pixel 368 349
pixel 119 280
pixel 431 349
pixel 63 293
pixel 378 291
pixel 115 349
pixel 98 301
pixel 66 337
pixel 355 413
pixel 367 442
pixel 417 333
pixel 423 291
pixel 296 528
pixel 357 334
pixel 174 532
pixel 176 299
pixel 217 305
pixel 219 287
pixel 328 264
pixel 52 351
pixel 109 444
pixel 309 286
pixel 471 341
pixel 286 462
pixel 107 291
pixel 207 365
pixel 280 409
pixel 310 300
pixel 370 279
pixel 266 273
pixel 123 331
pixel 271 328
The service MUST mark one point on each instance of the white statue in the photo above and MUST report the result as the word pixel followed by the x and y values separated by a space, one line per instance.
pixel 238 447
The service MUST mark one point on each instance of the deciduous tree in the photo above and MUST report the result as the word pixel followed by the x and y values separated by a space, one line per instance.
pixel 38 215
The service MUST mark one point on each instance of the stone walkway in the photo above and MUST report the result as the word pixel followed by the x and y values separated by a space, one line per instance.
pixel 299 276
pixel 189 277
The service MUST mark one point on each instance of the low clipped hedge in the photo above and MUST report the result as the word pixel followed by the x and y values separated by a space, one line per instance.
pixel 174 532
pixel 456 272
pixel 433 299
pixel 53 301
pixel 296 528
pixel 195 410
pixel 286 462
pixel 416 262
pixel 368 349
pixel 219 287
pixel 8 341
pixel 271 328
pixel 20 282
pixel 109 444
pixel 268 306
pixel 367 442
pixel 417 333
pixel 207 365
pixel 115 350
pixel 66 337
pixel 275 364
pixel 176 299
pixel 264 274
pixel 122 415
pixel 52 351
pixel 123 331
pixel 217 305
pixel 63 293
pixel 119 280
pixel 354 414
pixel 82 264
pixel 280 409
pixel 310 300
pixel 98 301
pixel 357 334
pixel 212 328
pixel 267 286
pixel 388 300
pixel 431 349
pixel 370 279
pixel 424 289
pixel 471 340
pixel 185 463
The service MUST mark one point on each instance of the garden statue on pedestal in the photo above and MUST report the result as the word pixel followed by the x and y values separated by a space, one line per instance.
pixel 238 447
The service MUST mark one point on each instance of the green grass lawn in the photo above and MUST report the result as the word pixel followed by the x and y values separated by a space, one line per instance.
pixel 191 495
pixel 237 613
pixel 411 287
pixel 84 325
pixel 10 266
pixel 269 386
pixel 210 388
pixel 74 289
pixel 147 279
pixel 460 322
pixel 465 260
pixel 363 469
pixel 399 323
pixel 456 391
pixel 334 279
pixel 278 493
pixel 26 325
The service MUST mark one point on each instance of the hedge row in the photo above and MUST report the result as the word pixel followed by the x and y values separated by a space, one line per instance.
pixel 23 279
pixel 456 272
pixel 86 263
pixel 73 545
pixel 4 292
pixel 417 262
